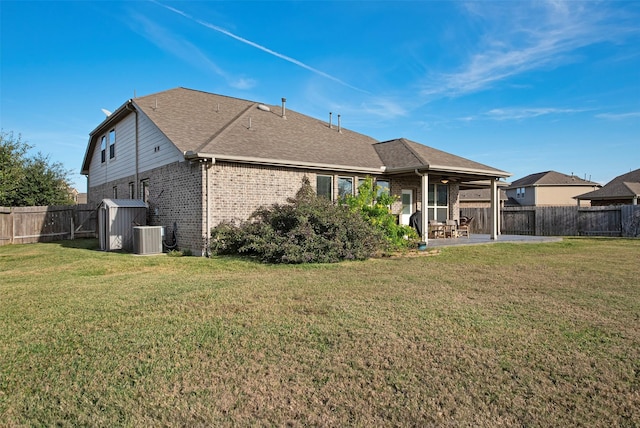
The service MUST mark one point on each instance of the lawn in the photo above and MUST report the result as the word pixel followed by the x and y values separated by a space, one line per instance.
pixel 502 334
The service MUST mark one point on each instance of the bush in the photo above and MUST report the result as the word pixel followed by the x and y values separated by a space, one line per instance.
pixel 373 204
pixel 309 229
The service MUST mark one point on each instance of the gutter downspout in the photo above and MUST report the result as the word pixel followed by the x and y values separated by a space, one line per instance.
pixel 136 192
pixel 424 218
pixel 207 241
pixel 495 210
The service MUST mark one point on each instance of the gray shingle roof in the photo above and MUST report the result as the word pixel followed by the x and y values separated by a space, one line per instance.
pixel 625 186
pixel 402 154
pixel 240 130
pixel 551 178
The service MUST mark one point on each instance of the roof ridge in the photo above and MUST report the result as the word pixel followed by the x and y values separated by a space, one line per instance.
pixel 413 152
pixel 405 142
pixel 227 126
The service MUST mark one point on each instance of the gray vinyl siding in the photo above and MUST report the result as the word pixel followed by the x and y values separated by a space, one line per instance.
pixel 124 161
pixel 155 149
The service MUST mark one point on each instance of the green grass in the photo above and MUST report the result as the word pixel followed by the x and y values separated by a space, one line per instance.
pixel 511 334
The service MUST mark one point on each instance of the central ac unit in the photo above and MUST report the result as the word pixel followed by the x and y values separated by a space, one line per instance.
pixel 148 239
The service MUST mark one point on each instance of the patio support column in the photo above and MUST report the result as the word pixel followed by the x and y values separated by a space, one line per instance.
pixel 495 210
pixel 425 210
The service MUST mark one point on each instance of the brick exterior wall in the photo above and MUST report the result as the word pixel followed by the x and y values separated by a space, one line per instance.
pixel 177 193
pixel 237 190
pixel 454 201
pixel 174 196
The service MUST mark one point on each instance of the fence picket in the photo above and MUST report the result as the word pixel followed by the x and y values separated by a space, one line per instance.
pixel 21 225
pixel 619 220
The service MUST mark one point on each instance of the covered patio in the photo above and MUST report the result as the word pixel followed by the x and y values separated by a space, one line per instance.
pixel 429 181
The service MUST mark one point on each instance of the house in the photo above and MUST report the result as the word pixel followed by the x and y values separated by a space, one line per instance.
pixel 77 197
pixel 622 190
pixel 198 159
pixel 548 188
pixel 480 197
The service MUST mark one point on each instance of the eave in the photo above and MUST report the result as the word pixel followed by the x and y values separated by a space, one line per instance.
pixel 103 128
pixel 199 156
pixel 471 173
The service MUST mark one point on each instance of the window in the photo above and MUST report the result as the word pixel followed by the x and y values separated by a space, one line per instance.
pixel 115 192
pixel 383 186
pixel 103 148
pixel 406 202
pixel 438 203
pixel 145 190
pixel 520 193
pixel 131 191
pixel 112 144
pixel 324 186
pixel 345 187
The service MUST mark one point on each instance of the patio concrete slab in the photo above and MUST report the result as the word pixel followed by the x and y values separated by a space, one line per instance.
pixel 479 239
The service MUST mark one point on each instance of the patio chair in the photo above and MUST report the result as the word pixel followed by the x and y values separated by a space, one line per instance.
pixel 436 230
pixel 451 229
pixel 464 228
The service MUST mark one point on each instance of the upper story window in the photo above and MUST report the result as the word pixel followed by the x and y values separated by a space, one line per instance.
pixel 112 144
pixel 520 192
pixel 324 186
pixel 103 149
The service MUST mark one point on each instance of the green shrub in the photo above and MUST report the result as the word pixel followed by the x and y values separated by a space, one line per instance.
pixel 308 229
pixel 373 204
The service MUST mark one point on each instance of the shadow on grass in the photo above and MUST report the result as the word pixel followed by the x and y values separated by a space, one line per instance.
pixel 81 244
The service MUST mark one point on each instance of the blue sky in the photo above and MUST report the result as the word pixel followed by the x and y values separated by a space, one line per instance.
pixel 523 87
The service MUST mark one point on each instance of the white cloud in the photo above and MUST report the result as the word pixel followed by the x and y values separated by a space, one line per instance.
pixel 519 38
pixel 185 50
pixel 526 113
pixel 619 116
pixel 261 47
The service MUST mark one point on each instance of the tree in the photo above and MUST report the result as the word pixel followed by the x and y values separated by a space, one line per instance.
pixel 28 181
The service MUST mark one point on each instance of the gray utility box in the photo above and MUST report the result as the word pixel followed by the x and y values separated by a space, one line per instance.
pixel 148 239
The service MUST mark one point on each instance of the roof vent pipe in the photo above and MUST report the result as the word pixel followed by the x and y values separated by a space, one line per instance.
pixel 339 127
pixel 330 125
pixel 284 108
pixel 249 122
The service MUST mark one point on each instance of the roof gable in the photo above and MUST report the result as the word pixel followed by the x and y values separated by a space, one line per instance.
pixel 551 178
pixel 624 186
pixel 402 154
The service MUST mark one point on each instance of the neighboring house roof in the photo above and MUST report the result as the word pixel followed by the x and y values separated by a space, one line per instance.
pixel 479 195
pixel 551 178
pixel 625 186
pixel 202 124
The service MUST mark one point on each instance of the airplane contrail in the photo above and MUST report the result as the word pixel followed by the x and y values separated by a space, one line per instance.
pixel 257 46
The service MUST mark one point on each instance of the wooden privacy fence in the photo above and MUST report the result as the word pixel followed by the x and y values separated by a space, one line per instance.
pixel 619 220
pixel 21 225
